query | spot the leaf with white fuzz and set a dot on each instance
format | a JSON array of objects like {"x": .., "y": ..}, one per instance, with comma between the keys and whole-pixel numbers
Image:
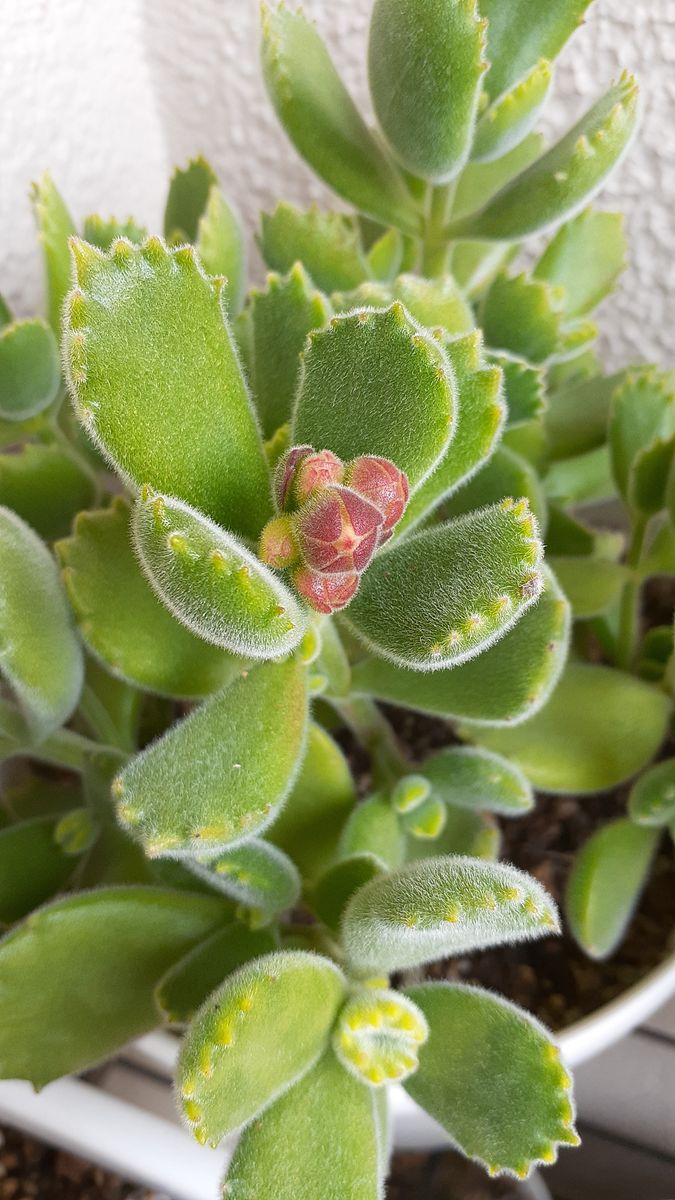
[
  {"x": 506, "y": 474},
  {"x": 441, "y": 596},
  {"x": 507, "y": 1099},
  {"x": 220, "y": 775},
  {"x": 211, "y": 583},
  {"x": 524, "y": 387},
  {"x": 221, "y": 248},
  {"x": 479, "y": 780},
  {"x": 466, "y": 831},
  {"x": 510, "y": 118},
  {"x": 46, "y": 485},
  {"x": 652, "y": 797},
  {"x": 605, "y": 884},
  {"x": 374, "y": 828},
  {"x": 585, "y": 257},
  {"x": 327, "y": 244},
  {"x": 189, "y": 982},
  {"x": 256, "y": 1036},
  {"x": 336, "y": 886},
  {"x": 54, "y": 226},
  {"x": 30, "y": 372},
  {"x": 378, "y": 1035},
  {"x": 255, "y": 874},
  {"x": 436, "y": 907}
]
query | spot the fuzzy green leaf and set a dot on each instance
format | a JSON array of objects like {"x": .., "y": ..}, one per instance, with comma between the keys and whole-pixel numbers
[
  {"x": 585, "y": 257},
  {"x": 592, "y": 585},
  {"x": 521, "y": 32},
  {"x": 425, "y": 66},
  {"x": 503, "y": 686},
  {"x": 652, "y": 797},
  {"x": 436, "y": 907},
  {"x": 506, "y": 1099},
  {"x": 338, "y": 1155},
  {"x": 565, "y": 177},
  {"x": 524, "y": 316},
  {"x": 513, "y": 114},
  {"x": 54, "y": 226},
  {"x": 94, "y": 959},
  {"x": 476, "y": 779},
  {"x": 40, "y": 656},
  {"x": 189, "y": 982},
  {"x": 188, "y": 195},
  {"x": 477, "y": 428},
  {"x": 375, "y": 383},
  {"x": 385, "y": 256},
  {"x": 33, "y": 866},
  {"x": 332, "y": 891},
  {"x": 211, "y": 583},
  {"x": 46, "y": 486},
  {"x": 577, "y": 415},
  {"x": 435, "y": 303},
  {"x": 221, "y": 248},
  {"x": 374, "y": 828},
  {"x": 599, "y": 728},
  {"x": 642, "y": 423},
  {"x": 258, "y": 876},
  {"x": 323, "y": 123},
  {"x": 156, "y": 381},
  {"x": 476, "y": 264},
  {"x": 309, "y": 825},
  {"x": 102, "y": 232},
  {"x": 506, "y": 474},
  {"x": 441, "y": 596},
  {"x": 121, "y": 620},
  {"x": 604, "y": 887},
  {"x": 5, "y": 313},
  {"x": 256, "y": 1036},
  {"x": 30, "y": 372},
  {"x": 465, "y": 832},
  {"x": 478, "y": 182},
  {"x": 281, "y": 318},
  {"x": 326, "y": 243},
  {"x": 524, "y": 387},
  {"x": 220, "y": 775}
]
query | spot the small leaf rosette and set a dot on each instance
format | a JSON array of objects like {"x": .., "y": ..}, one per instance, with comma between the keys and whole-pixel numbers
[{"x": 377, "y": 1036}]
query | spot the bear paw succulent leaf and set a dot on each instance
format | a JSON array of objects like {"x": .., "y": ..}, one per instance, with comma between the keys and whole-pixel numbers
[
  {"x": 30, "y": 372},
  {"x": 327, "y": 244},
  {"x": 190, "y": 981},
  {"x": 46, "y": 485},
  {"x": 440, "y": 906},
  {"x": 335, "y": 887},
  {"x": 33, "y": 866},
  {"x": 652, "y": 797},
  {"x": 256, "y": 1036},
  {"x": 511, "y": 117},
  {"x": 102, "y": 231},
  {"x": 374, "y": 827},
  {"x": 476, "y": 779},
  {"x": 258, "y": 876},
  {"x": 523, "y": 31},
  {"x": 465, "y": 831},
  {"x": 506, "y": 1099},
  {"x": 524, "y": 387},
  {"x": 506, "y": 474},
  {"x": 55, "y": 227},
  {"x": 441, "y": 596},
  {"x": 585, "y": 257},
  {"x": 156, "y": 381},
  {"x": 220, "y": 775},
  {"x": 211, "y": 583}
]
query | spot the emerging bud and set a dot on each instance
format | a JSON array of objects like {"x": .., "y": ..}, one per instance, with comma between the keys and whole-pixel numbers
[
  {"x": 315, "y": 472},
  {"x": 285, "y": 472},
  {"x": 381, "y": 482},
  {"x": 278, "y": 547},
  {"x": 338, "y": 530},
  {"x": 326, "y": 593}
]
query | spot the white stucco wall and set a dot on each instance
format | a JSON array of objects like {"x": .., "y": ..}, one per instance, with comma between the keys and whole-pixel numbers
[{"x": 110, "y": 93}]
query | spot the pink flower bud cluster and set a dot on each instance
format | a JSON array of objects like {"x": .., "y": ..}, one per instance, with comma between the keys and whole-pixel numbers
[{"x": 334, "y": 518}]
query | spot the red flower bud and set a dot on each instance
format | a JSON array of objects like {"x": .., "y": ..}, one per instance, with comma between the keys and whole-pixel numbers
[
  {"x": 325, "y": 593},
  {"x": 278, "y": 547},
  {"x": 302, "y": 471},
  {"x": 381, "y": 482},
  {"x": 338, "y": 530},
  {"x": 285, "y": 472}
]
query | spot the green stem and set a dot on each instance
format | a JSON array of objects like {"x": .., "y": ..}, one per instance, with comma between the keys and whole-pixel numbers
[
  {"x": 376, "y": 736},
  {"x": 64, "y": 748},
  {"x": 629, "y": 610},
  {"x": 435, "y": 245}
]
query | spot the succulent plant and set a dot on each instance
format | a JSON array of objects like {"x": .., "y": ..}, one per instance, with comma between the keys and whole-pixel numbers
[{"x": 271, "y": 511}]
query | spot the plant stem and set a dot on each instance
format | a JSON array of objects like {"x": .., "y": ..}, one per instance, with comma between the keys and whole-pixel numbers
[
  {"x": 63, "y": 748},
  {"x": 376, "y": 736},
  {"x": 435, "y": 247},
  {"x": 629, "y": 611}
]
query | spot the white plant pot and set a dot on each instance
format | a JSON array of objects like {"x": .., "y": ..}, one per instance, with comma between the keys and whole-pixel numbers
[{"x": 127, "y": 1122}]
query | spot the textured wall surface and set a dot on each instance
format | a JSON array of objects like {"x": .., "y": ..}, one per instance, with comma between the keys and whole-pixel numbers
[{"x": 109, "y": 93}]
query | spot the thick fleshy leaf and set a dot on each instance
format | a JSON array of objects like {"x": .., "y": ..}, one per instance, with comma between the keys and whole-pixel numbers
[
  {"x": 54, "y": 226},
  {"x": 425, "y": 66},
  {"x": 221, "y": 775},
  {"x": 102, "y": 231},
  {"x": 121, "y": 620},
  {"x": 94, "y": 959},
  {"x": 513, "y": 114},
  {"x": 524, "y": 387},
  {"x": 46, "y": 486},
  {"x": 30, "y": 372},
  {"x": 211, "y": 583},
  {"x": 323, "y": 123},
  {"x": 476, "y": 264},
  {"x": 40, "y": 656},
  {"x": 507, "y": 1099},
  {"x": 506, "y": 684},
  {"x": 577, "y": 415},
  {"x": 5, "y": 312},
  {"x": 524, "y": 316},
  {"x": 258, "y": 876},
  {"x": 523, "y": 31},
  {"x": 435, "y": 303},
  {"x": 156, "y": 381},
  {"x": 281, "y": 318},
  {"x": 599, "y": 728},
  {"x": 332, "y": 891},
  {"x": 479, "y": 780},
  {"x": 441, "y": 596},
  {"x": 385, "y": 256},
  {"x": 189, "y": 982},
  {"x": 374, "y": 828},
  {"x": 565, "y": 177},
  {"x": 642, "y": 421},
  {"x": 584, "y": 479},
  {"x": 478, "y": 182},
  {"x": 465, "y": 832},
  {"x": 592, "y": 585},
  {"x": 256, "y": 1036},
  {"x": 604, "y": 887},
  {"x": 338, "y": 1155},
  {"x": 309, "y": 825},
  {"x": 33, "y": 866},
  {"x": 506, "y": 474},
  {"x": 479, "y": 422},
  {"x": 436, "y": 907},
  {"x": 373, "y": 382},
  {"x": 586, "y": 257},
  {"x": 188, "y": 195},
  {"x": 221, "y": 248},
  {"x": 326, "y": 243},
  {"x": 652, "y": 797}
]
